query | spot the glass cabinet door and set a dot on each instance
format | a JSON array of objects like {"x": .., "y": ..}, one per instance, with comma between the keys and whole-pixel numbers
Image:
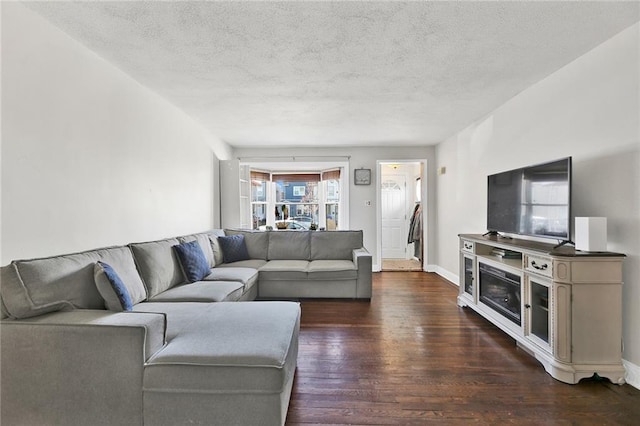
[
  {"x": 468, "y": 275},
  {"x": 538, "y": 306}
]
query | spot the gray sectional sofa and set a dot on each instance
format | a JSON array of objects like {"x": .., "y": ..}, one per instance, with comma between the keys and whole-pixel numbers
[{"x": 80, "y": 346}]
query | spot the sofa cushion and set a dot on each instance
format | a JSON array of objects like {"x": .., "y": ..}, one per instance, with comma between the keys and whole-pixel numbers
[
  {"x": 229, "y": 348},
  {"x": 17, "y": 302},
  {"x": 231, "y": 274},
  {"x": 257, "y": 242},
  {"x": 215, "y": 246},
  {"x": 158, "y": 265},
  {"x": 192, "y": 260},
  {"x": 247, "y": 276},
  {"x": 154, "y": 325},
  {"x": 202, "y": 291},
  {"x": 251, "y": 263},
  {"x": 178, "y": 315},
  {"x": 285, "y": 270},
  {"x": 233, "y": 248},
  {"x": 331, "y": 265},
  {"x": 284, "y": 245},
  {"x": 3, "y": 310},
  {"x": 218, "y": 258},
  {"x": 334, "y": 244},
  {"x": 110, "y": 286},
  {"x": 205, "y": 245},
  {"x": 332, "y": 270},
  {"x": 37, "y": 286}
]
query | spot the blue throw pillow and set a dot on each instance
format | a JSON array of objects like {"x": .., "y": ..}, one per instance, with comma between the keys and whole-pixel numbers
[
  {"x": 193, "y": 261},
  {"x": 112, "y": 289},
  {"x": 233, "y": 248}
]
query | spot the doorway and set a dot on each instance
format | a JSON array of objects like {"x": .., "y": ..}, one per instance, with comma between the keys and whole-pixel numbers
[{"x": 400, "y": 215}]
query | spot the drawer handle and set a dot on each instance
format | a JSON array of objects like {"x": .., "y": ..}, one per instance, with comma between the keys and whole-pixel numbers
[{"x": 539, "y": 267}]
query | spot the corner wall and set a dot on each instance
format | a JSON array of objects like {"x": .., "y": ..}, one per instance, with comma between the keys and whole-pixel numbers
[
  {"x": 90, "y": 157},
  {"x": 588, "y": 110}
]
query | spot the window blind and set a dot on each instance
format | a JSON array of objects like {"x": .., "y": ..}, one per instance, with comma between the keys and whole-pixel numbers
[
  {"x": 261, "y": 176},
  {"x": 331, "y": 175},
  {"x": 296, "y": 177}
]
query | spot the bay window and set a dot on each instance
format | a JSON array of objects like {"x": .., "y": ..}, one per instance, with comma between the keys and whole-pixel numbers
[{"x": 295, "y": 200}]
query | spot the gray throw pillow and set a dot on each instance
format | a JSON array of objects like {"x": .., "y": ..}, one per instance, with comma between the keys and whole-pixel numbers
[
  {"x": 192, "y": 260},
  {"x": 112, "y": 289},
  {"x": 234, "y": 249}
]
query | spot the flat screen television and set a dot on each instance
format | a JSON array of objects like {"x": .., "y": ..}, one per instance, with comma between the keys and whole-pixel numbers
[{"x": 534, "y": 201}]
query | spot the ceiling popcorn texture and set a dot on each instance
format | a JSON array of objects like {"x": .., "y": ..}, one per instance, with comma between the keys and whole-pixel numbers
[{"x": 338, "y": 73}]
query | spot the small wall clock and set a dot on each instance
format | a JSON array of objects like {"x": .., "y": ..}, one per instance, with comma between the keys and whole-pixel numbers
[{"x": 362, "y": 176}]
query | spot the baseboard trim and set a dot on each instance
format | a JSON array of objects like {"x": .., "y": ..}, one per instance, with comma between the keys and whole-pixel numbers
[
  {"x": 632, "y": 375},
  {"x": 446, "y": 274}
]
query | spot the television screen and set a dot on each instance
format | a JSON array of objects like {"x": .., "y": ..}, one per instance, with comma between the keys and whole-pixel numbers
[{"x": 533, "y": 200}]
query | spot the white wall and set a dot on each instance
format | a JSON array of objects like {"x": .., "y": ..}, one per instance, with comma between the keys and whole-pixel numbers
[
  {"x": 89, "y": 157},
  {"x": 360, "y": 216},
  {"x": 588, "y": 110}
]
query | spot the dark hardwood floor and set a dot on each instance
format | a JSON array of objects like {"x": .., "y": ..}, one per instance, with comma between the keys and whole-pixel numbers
[{"x": 412, "y": 356}]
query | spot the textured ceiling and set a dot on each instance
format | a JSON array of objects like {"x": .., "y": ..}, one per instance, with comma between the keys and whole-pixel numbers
[{"x": 338, "y": 73}]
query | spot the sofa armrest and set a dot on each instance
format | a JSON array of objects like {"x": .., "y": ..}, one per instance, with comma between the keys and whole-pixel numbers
[
  {"x": 77, "y": 367},
  {"x": 362, "y": 260}
]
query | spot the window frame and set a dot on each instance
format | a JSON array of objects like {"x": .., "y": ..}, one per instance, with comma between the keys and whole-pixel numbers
[{"x": 335, "y": 169}]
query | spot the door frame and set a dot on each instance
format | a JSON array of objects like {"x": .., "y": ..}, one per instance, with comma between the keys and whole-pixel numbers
[{"x": 423, "y": 198}]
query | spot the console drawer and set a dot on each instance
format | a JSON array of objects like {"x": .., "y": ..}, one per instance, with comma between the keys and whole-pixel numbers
[
  {"x": 467, "y": 246},
  {"x": 539, "y": 265}
]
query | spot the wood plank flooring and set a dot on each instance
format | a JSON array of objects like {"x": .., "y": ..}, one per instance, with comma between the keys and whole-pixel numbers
[{"x": 412, "y": 356}]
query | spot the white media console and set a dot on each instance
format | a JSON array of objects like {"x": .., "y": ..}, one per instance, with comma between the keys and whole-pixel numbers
[{"x": 562, "y": 306}]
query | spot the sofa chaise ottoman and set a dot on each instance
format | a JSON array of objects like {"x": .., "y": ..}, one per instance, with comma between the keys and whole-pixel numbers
[{"x": 238, "y": 374}]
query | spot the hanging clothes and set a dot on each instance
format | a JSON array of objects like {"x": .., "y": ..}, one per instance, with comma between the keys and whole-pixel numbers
[{"x": 415, "y": 226}]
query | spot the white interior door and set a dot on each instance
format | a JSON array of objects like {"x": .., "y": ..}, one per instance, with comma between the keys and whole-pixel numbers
[{"x": 394, "y": 216}]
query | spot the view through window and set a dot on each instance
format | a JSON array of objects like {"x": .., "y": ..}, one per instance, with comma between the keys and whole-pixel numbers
[{"x": 295, "y": 200}]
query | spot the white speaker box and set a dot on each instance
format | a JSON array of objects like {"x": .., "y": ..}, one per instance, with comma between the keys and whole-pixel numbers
[{"x": 591, "y": 233}]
